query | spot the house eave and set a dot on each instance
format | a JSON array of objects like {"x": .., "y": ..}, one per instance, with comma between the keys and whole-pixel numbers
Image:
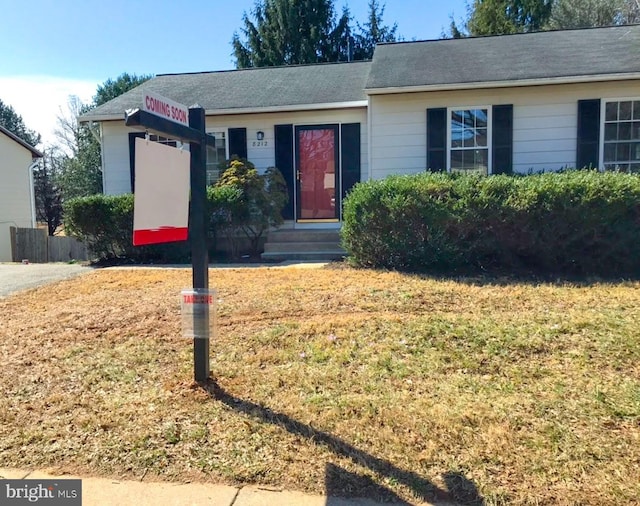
[
  {"x": 248, "y": 110},
  {"x": 289, "y": 108},
  {"x": 503, "y": 84}
]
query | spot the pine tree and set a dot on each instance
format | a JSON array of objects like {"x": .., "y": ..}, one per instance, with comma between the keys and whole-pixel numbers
[
  {"x": 373, "y": 32},
  {"x": 13, "y": 122},
  {"x": 567, "y": 14},
  {"x": 47, "y": 192},
  {"x": 289, "y": 32},
  {"x": 499, "y": 17}
]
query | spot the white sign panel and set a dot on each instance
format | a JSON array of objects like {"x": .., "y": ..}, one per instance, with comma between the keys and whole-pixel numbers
[
  {"x": 161, "y": 205},
  {"x": 198, "y": 307},
  {"x": 165, "y": 108}
]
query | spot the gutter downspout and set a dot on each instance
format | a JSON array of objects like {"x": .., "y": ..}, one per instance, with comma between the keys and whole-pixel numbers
[
  {"x": 97, "y": 135},
  {"x": 32, "y": 192},
  {"x": 91, "y": 125},
  {"x": 370, "y": 136}
]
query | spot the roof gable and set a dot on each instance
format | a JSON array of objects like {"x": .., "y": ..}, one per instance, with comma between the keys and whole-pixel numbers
[{"x": 522, "y": 57}]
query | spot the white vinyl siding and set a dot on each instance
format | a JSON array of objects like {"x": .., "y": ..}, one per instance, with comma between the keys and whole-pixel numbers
[
  {"x": 116, "y": 175},
  {"x": 544, "y": 123},
  {"x": 15, "y": 191}
]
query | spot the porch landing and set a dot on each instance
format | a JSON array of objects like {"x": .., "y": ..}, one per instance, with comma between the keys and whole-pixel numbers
[{"x": 309, "y": 244}]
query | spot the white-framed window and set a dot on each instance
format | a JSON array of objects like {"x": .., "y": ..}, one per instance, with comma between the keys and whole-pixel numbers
[
  {"x": 165, "y": 140},
  {"x": 469, "y": 139},
  {"x": 620, "y": 134},
  {"x": 216, "y": 155}
]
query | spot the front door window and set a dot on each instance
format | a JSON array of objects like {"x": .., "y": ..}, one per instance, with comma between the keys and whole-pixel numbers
[{"x": 317, "y": 150}]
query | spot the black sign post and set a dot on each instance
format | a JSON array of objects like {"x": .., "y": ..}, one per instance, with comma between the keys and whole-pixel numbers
[{"x": 198, "y": 218}]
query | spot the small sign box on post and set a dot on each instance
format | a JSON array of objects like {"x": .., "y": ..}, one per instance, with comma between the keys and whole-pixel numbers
[{"x": 198, "y": 313}]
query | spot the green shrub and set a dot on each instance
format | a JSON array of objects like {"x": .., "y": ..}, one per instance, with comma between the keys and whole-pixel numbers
[
  {"x": 226, "y": 205},
  {"x": 253, "y": 203},
  {"x": 103, "y": 223},
  {"x": 579, "y": 222}
]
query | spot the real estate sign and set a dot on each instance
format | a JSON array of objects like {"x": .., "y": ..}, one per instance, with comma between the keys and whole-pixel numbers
[
  {"x": 164, "y": 178},
  {"x": 161, "y": 205}
]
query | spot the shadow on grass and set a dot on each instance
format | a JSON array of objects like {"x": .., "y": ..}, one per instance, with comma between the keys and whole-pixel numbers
[{"x": 340, "y": 482}]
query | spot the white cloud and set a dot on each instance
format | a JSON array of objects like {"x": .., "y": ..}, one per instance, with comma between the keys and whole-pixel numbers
[{"x": 39, "y": 99}]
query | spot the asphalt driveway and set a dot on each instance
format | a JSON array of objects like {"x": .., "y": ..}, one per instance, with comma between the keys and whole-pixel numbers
[{"x": 17, "y": 277}]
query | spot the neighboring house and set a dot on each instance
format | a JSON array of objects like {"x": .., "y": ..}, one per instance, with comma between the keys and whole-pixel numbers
[
  {"x": 17, "y": 202},
  {"x": 515, "y": 103}
]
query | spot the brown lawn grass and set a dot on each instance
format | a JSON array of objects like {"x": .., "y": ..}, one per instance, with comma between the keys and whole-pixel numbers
[{"x": 344, "y": 381}]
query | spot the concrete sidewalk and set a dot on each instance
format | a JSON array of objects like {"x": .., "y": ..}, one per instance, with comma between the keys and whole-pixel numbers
[{"x": 110, "y": 492}]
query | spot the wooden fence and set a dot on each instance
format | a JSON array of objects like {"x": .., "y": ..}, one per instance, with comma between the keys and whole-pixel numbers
[{"x": 34, "y": 245}]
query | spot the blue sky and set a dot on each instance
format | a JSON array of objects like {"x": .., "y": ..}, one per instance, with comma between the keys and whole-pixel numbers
[{"x": 55, "y": 48}]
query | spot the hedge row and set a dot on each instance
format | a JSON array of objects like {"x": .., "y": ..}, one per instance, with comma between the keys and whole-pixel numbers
[{"x": 575, "y": 222}]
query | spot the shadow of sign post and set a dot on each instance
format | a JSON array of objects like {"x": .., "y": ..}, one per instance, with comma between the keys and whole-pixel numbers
[{"x": 460, "y": 489}]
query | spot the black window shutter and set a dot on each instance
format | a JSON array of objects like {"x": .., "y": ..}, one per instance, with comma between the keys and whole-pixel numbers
[
  {"x": 588, "y": 154},
  {"x": 350, "y": 134},
  {"x": 132, "y": 157},
  {"x": 502, "y": 144},
  {"x": 284, "y": 163},
  {"x": 238, "y": 142},
  {"x": 437, "y": 139}
]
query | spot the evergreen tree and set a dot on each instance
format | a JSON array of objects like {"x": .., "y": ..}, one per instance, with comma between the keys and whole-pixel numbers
[
  {"x": 111, "y": 89},
  {"x": 289, "y": 32},
  {"x": 567, "y": 14},
  {"x": 13, "y": 122},
  {"x": 48, "y": 196},
  {"x": 373, "y": 32},
  {"x": 498, "y": 17}
]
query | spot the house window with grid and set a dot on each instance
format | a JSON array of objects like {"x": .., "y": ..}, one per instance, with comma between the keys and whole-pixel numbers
[
  {"x": 622, "y": 136},
  {"x": 469, "y": 140},
  {"x": 215, "y": 156}
]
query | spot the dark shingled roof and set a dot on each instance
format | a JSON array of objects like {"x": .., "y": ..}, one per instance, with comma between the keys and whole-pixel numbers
[
  {"x": 251, "y": 89},
  {"x": 541, "y": 55},
  {"x": 569, "y": 54}
]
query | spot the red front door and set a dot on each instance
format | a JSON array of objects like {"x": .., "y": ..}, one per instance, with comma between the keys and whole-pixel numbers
[{"x": 317, "y": 172}]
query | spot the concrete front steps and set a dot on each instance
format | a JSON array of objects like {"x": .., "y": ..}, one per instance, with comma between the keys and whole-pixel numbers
[{"x": 308, "y": 244}]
